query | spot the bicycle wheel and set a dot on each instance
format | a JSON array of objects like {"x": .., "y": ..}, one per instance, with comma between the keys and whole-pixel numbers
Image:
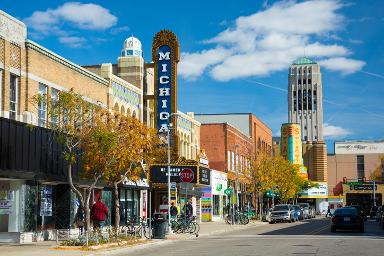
[
  {"x": 228, "y": 219},
  {"x": 244, "y": 219},
  {"x": 192, "y": 227},
  {"x": 197, "y": 228}
]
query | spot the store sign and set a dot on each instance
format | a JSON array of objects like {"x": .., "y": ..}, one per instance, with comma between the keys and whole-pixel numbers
[
  {"x": 142, "y": 182},
  {"x": 204, "y": 161},
  {"x": 159, "y": 174},
  {"x": 46, "y": 201},
  {"x": 219, "y": 182},
  {"x": 322, "y": 190},
  {"x": 359, "y": 148},
  {"x": 362, "y": 187},
  {"x": 204, "y": 176}
]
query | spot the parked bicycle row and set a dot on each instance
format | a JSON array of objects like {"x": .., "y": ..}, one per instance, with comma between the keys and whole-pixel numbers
[{"x": 237, "y": 218}]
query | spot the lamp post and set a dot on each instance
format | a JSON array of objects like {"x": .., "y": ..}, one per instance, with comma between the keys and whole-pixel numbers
[
  {"x": 169, "y": 126},
  {"x": 237, "y": 177}
]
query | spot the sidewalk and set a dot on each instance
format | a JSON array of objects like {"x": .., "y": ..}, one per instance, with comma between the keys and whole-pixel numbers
[{"x": 48, "y": 247}]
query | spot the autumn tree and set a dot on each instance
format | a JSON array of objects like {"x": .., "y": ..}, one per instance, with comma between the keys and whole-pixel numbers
[
  {"x": 71, "y": 120},
  {"x": 124, "y": 145}
]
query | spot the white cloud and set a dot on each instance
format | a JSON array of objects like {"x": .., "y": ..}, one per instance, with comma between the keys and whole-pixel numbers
[
  {"x": 194, "y": 64},
  {"x": 344, "y": 65},
  {"x": 269, "y": 40},
  {"x": 73, "y": 41},
  {"x": 332, "y": 131},
  {"x": 78, "y": 15}
]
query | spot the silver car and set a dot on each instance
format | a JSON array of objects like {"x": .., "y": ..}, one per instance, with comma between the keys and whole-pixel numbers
[{"x": 282, "y": 213}]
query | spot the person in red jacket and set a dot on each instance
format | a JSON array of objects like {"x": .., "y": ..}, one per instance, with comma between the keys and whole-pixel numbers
[{"x": 99, "y": 213}]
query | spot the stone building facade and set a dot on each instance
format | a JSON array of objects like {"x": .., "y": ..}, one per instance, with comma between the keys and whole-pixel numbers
[{"x": 305, "y": 100}]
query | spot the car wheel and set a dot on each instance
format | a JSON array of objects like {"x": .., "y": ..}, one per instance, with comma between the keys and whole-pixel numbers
[
  {"x": 271, "y": 222},
  {"x": 333, "y": 229}
]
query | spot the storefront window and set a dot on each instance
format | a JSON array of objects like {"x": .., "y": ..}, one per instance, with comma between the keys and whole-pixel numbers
[
  {"x": 216, "y": 205},
  {"x": 129, "y": 203},
  {"x": 123, "y": 216}
]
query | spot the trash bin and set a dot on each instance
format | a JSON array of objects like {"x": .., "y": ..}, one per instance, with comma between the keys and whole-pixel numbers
[{"x": 159, "y": 225}]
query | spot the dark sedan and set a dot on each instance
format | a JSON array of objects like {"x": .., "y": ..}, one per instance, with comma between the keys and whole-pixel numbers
[{"x": 347, "y": 218}]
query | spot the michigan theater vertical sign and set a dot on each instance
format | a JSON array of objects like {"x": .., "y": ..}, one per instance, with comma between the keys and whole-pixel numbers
[{"x": 165, "y": 55}]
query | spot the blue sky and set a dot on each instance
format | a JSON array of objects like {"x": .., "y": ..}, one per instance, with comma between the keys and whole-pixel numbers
[{"x": 235, "y": 55}]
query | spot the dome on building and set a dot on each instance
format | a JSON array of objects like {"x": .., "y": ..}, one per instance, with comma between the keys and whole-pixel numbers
[
  {"x": 132, "y": 47},
  {"x": 303, "y": 61}
]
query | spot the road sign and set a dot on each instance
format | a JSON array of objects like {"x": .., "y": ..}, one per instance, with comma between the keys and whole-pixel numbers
[
  {"x": 186, "y": 175},
  {"x": 228, "y": 191},
  {"x": 186, "y": 185}
]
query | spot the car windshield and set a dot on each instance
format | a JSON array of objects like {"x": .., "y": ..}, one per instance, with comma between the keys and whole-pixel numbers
[
  {"x": 281, "y": 208},
  {"x": 345, "y": 211},
  {"x": 296, "y": 207}
]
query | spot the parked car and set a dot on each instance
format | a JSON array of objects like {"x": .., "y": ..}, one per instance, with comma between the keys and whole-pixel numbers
[
  {"x": 306, "y": 210},
  {"x": 361, "y": 211},
  {"x": 373, "y": 211},
  {"x": 282, "y": 213},
  {"x": 297, "y": 212},
  {"x": 347, "y": 218}
]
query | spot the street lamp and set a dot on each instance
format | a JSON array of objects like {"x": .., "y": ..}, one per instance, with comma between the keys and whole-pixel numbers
[
  {"x": 169, "y": 125},
  {"x": 237, "y": 177}
]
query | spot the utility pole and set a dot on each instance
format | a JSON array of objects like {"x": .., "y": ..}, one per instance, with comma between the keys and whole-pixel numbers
[{"x": 237, "y": 177}]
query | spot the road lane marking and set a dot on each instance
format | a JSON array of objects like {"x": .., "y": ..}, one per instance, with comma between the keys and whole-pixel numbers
[{"x": 318, "y": 230}]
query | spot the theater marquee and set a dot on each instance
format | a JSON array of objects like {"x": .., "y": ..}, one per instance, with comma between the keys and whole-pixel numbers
[{"x": 165, "y": 55}]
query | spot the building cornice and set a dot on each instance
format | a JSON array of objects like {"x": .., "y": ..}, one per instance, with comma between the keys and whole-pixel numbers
[{"x": 36, "y": 47}]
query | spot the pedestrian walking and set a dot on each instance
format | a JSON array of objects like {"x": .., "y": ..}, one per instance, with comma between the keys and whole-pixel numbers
[
  {"x": 188, "y": 210},
  {"x": 328, "y": 211},
  {"x": 79, "y": 219},
  {"x": 173, "y": 211},
  {"x": 99, "y": 214}
]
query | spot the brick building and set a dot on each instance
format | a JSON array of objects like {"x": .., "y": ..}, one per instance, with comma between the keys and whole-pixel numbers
[
  {"x": 248, "y": 124},
  {"x": 234, "y": 138},
  {"x": 228, "y": 150}
]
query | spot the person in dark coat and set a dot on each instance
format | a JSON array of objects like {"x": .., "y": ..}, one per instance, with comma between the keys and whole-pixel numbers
[{"x": 79, "y": 219}]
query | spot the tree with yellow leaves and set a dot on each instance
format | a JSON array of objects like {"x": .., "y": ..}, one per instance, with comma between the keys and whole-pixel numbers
[
  {"x": 121, "y": 146},
  {"x": 71, "y": 119}
]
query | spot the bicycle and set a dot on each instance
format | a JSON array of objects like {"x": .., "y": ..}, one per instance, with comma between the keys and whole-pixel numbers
[
  {"x": 239, "y": 218},
  {"x": 185, "y": 225}
]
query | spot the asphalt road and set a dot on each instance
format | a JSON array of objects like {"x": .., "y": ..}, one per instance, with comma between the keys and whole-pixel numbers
[{"x": 309, "y": 237}]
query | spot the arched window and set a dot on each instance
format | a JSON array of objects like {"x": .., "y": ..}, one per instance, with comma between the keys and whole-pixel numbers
[{"x": 116, "y": 107}]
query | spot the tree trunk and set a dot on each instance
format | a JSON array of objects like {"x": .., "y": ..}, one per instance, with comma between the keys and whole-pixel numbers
[
  {"x": 87, "y": 215},
  {"x": 84, "y": 205},
  {"x": 254, "y": 197},
  {"x": 117, "y": 206}
]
